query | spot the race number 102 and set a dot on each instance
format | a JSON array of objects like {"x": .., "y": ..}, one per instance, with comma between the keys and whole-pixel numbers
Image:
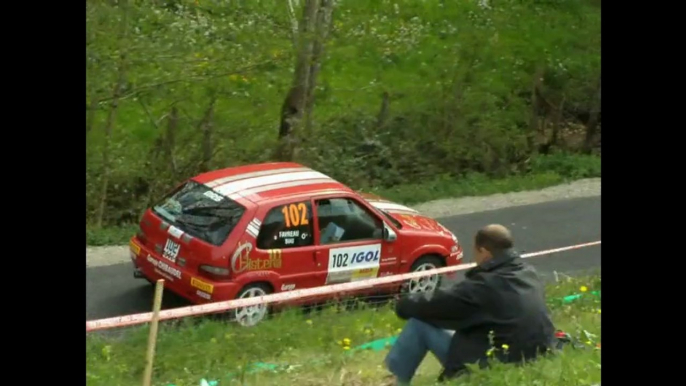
[{"x": 295, "y": 215}]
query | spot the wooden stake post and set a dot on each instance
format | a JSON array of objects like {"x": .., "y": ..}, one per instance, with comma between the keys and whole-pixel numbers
[{"x": 152, "y": 338}]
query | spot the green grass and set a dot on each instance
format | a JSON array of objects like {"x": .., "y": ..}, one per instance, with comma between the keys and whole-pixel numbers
[
  {"x": 314, "y": 347},
  {"x": 544, "y": 172}
]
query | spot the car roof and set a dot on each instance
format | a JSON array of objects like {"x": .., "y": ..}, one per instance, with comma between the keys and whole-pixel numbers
[{"x": 258, "y": 183}]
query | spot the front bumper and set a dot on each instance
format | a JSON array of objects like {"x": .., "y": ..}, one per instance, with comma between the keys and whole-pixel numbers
[{"x": 179, "y": 280}]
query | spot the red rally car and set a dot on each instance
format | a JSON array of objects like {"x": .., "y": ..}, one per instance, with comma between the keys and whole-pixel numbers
[{"x": 257, "y": 229}]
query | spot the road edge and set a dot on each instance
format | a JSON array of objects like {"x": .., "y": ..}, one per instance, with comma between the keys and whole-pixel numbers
[{"x": 446, "y": 207}]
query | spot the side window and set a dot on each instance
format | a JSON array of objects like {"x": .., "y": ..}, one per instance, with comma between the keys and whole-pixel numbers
[
  {"x": 287, "y": 226},
  {"x": 344, "y": 220}
]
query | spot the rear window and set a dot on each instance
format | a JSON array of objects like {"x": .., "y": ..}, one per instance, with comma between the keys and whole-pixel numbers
[{"x": 200, "y": 212}]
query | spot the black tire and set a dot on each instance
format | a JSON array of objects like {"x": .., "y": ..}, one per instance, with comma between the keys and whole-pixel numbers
[
  {"x": 420, "y": 264},
  {"x": 243, "y": 315}
]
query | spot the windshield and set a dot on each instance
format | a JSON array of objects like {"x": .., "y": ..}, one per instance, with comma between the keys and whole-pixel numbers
[{"x": 200, "y": 212}]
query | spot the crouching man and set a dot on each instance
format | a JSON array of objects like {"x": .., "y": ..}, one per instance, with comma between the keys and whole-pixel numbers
[{"x": 499, "y": 308}]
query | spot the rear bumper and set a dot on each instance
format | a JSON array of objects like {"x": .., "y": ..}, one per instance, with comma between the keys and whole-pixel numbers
[{"x": 178, "y": 279}]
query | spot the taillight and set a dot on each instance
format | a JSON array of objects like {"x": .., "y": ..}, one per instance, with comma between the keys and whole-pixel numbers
[{"x": 215, "y": 271}]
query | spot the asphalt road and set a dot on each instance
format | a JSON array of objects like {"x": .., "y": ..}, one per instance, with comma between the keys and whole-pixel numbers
[{"x": 112, "y": 290}]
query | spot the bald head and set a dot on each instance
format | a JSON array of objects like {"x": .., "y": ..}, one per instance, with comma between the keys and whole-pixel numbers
[{"x": 494, "y": 238}]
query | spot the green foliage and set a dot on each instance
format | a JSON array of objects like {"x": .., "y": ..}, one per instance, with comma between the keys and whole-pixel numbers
[
  {"x": 213, "y": 349},
  {"x": 572, "y": 166},
  {"x": 459, "y": 78}
]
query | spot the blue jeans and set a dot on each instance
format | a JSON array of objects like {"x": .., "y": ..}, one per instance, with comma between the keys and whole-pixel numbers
[{"x": 415, "y": 340}]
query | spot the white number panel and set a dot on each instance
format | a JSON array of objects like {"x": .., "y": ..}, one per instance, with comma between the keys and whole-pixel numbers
[
  {"x": 353, "y": 263},
  {"x": 171, "y": 250}
]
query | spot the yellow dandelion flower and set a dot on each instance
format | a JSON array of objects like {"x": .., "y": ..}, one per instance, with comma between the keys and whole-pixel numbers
[
  {"x": 598, "y": 310},
  {"x": 588, "y": 342},
  {"x": 346, "y": 348},
  {"x": 489, "y": 352},
  {"x": 583, "y": 288},
  {"x": 505, "y": 347},
  {"x": 346, "y": 342},
  {"x": 398, "y": 331},
  {"x": 308, "y": 321}
]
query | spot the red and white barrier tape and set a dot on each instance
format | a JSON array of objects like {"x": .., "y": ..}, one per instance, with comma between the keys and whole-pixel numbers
[{"x": 175, "y": 313}]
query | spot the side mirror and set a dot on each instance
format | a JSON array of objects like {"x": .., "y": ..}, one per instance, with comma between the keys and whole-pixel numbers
[{"x": 389, "y": 234}]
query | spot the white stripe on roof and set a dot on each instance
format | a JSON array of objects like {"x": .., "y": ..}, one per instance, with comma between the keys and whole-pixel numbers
[
  {"x": 224, "y": 180},
  {"x": 256, "y": 182},
  {"x": 391, "y": 206},
  {"x": 289, "y": 184}
]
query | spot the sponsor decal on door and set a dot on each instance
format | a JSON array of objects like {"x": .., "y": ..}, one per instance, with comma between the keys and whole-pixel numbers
[{"x": 353, "y": 263}]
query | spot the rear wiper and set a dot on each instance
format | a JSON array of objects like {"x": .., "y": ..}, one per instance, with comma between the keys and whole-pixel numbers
[
  {"x": 206, "y": 208},
  {"x": 192, "y": 224}
]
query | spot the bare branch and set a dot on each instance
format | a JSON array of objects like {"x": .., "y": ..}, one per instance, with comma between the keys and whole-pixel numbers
[{"x": 140, "y": 89}]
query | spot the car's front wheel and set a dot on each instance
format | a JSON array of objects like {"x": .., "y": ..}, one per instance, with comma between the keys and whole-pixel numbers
[
  {"x": 426, "y": 283},
  {"x": 251, "y": 315}
]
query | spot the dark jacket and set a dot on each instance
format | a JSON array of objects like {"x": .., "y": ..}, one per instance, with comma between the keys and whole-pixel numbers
[{"x": 504, "y": 296}]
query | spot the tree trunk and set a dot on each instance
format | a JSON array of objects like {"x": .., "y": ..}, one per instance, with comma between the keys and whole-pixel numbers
[
  {"x": 557, "y": 122},
  {"x": 170, "y": 138},
  {"x": 111, "y": 116},
  {"x": 90, "y": 113},
  {"x": 292, "y": 5},
  {"x": 594, "y": 119},
  {"x": 109, "y": 125},
  {"x": 323, "y": 27},
  {"x": 382, "y": 118},
  {"x": 293, "y": 106},
  {"x": 207, "y": 128},
  {"x": 534, "y": 119}
]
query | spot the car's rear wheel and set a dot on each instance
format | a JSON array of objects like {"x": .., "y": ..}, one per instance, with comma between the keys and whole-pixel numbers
[
  {"x": 250, "y": 316},
  {"x": 426, "y": 283}
]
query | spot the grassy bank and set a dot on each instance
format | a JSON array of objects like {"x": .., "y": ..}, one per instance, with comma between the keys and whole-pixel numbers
[
  {"x": 315, "y": 349},
  {"x": 544, "y": 171}
]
